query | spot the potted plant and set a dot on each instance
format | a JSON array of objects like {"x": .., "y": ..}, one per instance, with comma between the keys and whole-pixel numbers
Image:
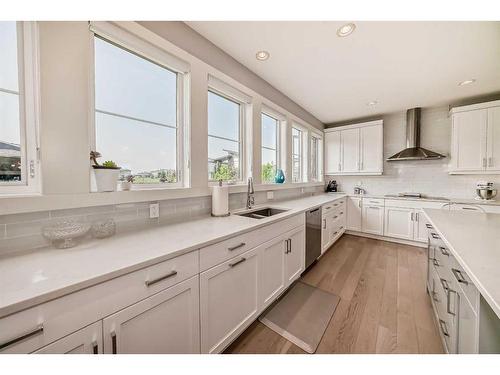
[
  {"x": 106, "y": 174},
  {"x": 127, "y": 182}
]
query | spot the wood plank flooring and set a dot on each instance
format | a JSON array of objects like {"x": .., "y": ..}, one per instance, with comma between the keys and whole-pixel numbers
[{"x": 384, "y": 307}]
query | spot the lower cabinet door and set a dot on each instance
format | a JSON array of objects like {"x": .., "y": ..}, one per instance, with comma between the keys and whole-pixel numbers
[
  {"x": 468, "y": 340},
  {"x": 325, "y": 233},
  {"x": 166, "y": 322},
  {"x": 373, "y": 219},
  {"x": 272, "y": 270},
  {"x": 399, "y": 223},
  {"x": 420, "y": 230},
  {"x": 228, "y": 300},
  {"x": 295, "y": 257},
  {"x": 88, "y": 340}
]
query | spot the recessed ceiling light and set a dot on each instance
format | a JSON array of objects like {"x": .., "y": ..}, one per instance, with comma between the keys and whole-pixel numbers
[
  {"x": 346, "y": 29},
  {"x": 467, "y": 82},
  {"x": 372, "y": 103},
  {"x": 262, "y": 55}
]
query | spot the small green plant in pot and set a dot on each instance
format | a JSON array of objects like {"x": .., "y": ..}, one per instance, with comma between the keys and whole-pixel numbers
[{"x": 106, "y": 174}]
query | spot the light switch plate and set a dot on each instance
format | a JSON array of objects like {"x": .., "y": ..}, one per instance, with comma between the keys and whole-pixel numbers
[
  {"x": 270, "y": 195},
  {"x": 154, "y": 210}
]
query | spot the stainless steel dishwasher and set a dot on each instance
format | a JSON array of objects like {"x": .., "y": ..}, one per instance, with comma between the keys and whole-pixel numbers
[{"x": 313, "y": 235}]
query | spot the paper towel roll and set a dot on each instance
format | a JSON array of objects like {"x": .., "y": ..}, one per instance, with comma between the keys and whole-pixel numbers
[{"x": 220, "y": 201}]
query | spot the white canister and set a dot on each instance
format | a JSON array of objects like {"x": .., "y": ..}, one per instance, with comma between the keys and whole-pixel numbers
[{"x": 220, "y": 200}]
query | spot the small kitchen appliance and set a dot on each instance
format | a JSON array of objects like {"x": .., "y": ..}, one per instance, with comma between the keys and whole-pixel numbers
[
  {"x": 332, "y": 187},
  {"x": 485, "y": 191}
]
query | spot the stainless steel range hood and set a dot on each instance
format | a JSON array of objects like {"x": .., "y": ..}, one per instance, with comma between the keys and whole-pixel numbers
[{"x": 413, "y": 151}]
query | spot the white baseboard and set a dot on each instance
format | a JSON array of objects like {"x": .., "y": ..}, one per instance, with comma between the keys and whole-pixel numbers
[{"x": 384, "y": 238}]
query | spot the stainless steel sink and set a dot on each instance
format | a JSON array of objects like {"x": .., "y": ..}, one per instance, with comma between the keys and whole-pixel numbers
[{"x": 262, "y": 213}]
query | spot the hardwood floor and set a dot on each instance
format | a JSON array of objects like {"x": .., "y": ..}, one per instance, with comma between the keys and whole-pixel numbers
[{"x": 384, "y": 307}]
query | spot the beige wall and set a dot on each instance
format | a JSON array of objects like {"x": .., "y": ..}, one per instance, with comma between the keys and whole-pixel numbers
[{"x": 65, "y": 70}]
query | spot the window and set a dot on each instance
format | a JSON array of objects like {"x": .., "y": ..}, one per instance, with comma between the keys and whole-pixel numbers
[
  {"x": 224, "y": 138},
  {"x": 18, "y": 108},
  {"x": 316, "y": 159},
  {"x": 270, "y": 148},
  {"x": 139, "y": 108},
  {"x": 296, "y": 155}
]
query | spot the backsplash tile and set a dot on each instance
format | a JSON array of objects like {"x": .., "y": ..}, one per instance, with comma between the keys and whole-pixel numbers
[{"x": 21, "y": 232}]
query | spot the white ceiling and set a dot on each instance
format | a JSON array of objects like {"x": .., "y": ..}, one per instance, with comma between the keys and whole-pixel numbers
[{"x": 398, "y": 64}]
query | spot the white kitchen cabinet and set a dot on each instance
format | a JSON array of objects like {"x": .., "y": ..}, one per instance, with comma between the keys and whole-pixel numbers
[
  {"x": 468, "y": 339},
  {"x": 88, "y": 340},
  {"x": 228, "y": 300},
  {"x": 332, "y": 152},
  {"x": 165, "y": 323},
  {"x": 372, "y": 219},
  {"x": 399, "y": 222},
  {"x": 272, "y": 269},
  {"x": 295, "y": 256},
  {"x": 493, "y": 140},
  {"x": 354, "y": 149},
  {"x": 476, "y": 138},
  {"x": 350, "y": 150},
  {"x": 371, "y": 150},
  {"x": 353, "y": 220},
  {"x": 420, "y": 229}
]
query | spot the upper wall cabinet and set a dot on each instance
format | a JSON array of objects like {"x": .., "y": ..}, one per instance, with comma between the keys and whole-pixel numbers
[
  {"x": 475, "y": 140},
  {"x": 355, "y": 149}
]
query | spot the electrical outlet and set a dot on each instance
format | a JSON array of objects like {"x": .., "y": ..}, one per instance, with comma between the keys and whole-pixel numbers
[
  {"x": 154, "y": 210},
  {"x": 270, "y": 195}
]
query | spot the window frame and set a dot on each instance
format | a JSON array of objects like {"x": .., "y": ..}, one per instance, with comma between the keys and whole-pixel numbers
[
  {"x": 226, "y": 91},
  {"x": 128, "y": 41},
  {"x": 29, "y": 112},
  {"x": 304, "y": 156},
  {"x": 280, "y": 121},
  {"x": 319, "y": 162}
]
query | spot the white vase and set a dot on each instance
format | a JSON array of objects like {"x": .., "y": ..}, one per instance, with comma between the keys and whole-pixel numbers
[{"x": 106, "y": 179}]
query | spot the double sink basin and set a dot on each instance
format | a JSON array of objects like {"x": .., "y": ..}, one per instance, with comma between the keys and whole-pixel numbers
[{"x": 261, "y": 213}]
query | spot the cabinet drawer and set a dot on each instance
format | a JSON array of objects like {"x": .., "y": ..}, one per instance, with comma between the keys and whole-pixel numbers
[
  {"x": 465, "y": 284},
  {"x": 217, "y": 253},
  {"x": 373, "y": 201},
  {"x": 47, "y": 322}
]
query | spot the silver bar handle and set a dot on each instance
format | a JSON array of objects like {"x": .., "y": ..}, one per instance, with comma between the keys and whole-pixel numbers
[
  {"x": 416, "y": 216},
  {"x": 444, "y": 328},
  {"x": 95, "y": 347},
  {"x": 435, "y": 236},
  {"x": 444, "y": 251},
  {"x": 411, "y": 218},
  {"x": 26, "y": 335},
  {"x": 236, "y": 246},
  {"x": 335, "y": 217},
  {"x": 429, "y": 226},
  {"x": 161, "y": 278},
  {"x": 237, "y": 262},
  {"x": 459, "y": 276},
  {"x": 113, "y": 342},
  {"x": 324, "y": 223},
  {"x": 448, "y": 302},
  {"x": 433, "y": 292},
  {"x": 290, "y": 245}
]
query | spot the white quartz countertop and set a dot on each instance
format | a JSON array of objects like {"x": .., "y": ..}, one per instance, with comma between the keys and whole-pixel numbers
[
  {"x": 36, "y": 277},
  {"x": 474, "y": 239},
  {"x": 472, "y": 201}
]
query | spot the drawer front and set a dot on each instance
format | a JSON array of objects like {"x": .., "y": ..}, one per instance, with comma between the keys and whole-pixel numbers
[
  {"x": 465, "y": 284},
  {"x": 406, "y": 203},
  {"x": 47, "y": 322},
  {"x": 373, "y": 201},
  {"x": 335, "y": 206},
  {"x": 217, "y": 253}
]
